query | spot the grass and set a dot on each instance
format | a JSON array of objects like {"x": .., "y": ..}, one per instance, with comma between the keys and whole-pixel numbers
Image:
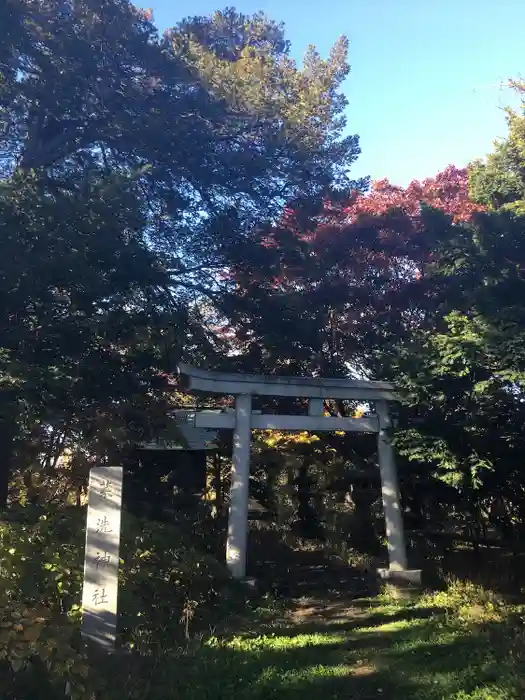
[
  {"x": 381, "y": 648},
  {"x": 460, "y": 644}
]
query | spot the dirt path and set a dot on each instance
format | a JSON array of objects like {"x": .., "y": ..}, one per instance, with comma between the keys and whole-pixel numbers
[
  {"x": 336, "y": 639},
  {"x": 317, "y": 589}
]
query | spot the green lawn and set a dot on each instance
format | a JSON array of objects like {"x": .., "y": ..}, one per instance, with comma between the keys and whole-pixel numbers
[{"x": 378, "y": 649}]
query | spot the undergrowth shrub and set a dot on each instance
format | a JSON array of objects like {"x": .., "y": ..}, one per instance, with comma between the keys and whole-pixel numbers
[
  {"x": 41, "y": 655},
  {"x": 496, "y": 623},
  {"x": 170, "y": 587},
  {"x": 464, "y": 601}
]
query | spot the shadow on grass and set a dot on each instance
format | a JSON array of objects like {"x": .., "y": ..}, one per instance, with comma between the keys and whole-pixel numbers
[
  {"x": 409, "y": 658},
  {"x": 351, "y": 622},
  {"x": 292, "y": 573}
]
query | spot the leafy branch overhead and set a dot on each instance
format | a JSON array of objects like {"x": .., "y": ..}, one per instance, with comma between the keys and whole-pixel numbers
[{"x": 132, "y": 164}]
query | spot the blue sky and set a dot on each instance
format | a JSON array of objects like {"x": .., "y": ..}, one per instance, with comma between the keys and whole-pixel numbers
[{"x": 424, "y": 90}]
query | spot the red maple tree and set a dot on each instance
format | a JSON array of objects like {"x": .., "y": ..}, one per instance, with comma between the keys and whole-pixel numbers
[
  {"x": 362, "y": 259},
  {"x": 447, "y": 191},
  {"x": 392, "y": 212}
]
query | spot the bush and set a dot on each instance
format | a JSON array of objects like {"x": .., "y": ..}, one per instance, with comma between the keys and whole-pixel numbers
[
  {"x": 467, "y": 602},
  {"x": 170, "y": 586},
  {"x": 40, "y": 655}
]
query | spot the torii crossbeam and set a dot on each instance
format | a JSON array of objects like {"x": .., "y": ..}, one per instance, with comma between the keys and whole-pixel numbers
[{"x": 316, "y": 390}]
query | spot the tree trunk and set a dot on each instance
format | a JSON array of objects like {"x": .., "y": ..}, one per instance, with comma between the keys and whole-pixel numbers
[
  {"x": 364, "y": 536},
  {"x": 217, "y": 484},
  {"x": 272, "y": 484},
  {"x": 8, "y": 411},
  {"x": 308, "y": 521}
]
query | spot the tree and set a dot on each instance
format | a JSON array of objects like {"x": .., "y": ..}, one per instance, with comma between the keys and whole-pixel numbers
[
  {"x": 462, "y": 378},
  {"x": 337, "y": 284},
  {"x": 293, "y": 116},
  {"x": 498, "y": 181},
  {"x": 84, "y": 329},
  {"x": 131, "y": 165},
  {"x": 96, "y": 88},
  {"x": 379, "y": 284}
]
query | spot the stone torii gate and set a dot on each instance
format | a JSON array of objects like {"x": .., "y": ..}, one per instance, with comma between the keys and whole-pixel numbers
[{"x": 316, "y": 390}]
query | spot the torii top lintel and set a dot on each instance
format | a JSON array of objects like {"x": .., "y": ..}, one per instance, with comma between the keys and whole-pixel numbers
[{"x": 302, "y": 387}]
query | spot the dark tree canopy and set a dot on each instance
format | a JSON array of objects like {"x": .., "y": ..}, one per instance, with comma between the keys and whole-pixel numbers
[{"x": 132, "y": 166}]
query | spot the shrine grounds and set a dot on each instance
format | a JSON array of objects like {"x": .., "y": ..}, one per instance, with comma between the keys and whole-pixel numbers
[
  {"x": 452, "y": 646},
  {"x": 313, "y": 625}
]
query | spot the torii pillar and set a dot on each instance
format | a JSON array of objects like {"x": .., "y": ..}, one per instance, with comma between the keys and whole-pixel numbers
[
  {"x": 237, "y": 539},
  {"x": 316, "y": 390}
]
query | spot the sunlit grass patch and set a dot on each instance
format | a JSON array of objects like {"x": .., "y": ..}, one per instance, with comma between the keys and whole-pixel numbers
[
  {"x": 416, "y": 650},
  {"x": 276, "y": 642}
]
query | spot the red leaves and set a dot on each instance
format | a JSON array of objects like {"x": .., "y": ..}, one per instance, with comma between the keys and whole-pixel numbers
[
  {"x": 269, "y": 242},
  {"x": 447, "y": 191},
  {"x": 373, "y": 241},
  {"x": 357, "y": 270},
  {"x": 380, "y": 226}
]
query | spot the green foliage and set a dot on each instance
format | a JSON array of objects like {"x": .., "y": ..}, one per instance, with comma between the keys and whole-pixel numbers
[
  {"x": 126, "y": 185},
  {"x": 40, "y": 655},
  {"x": 170, "y": 585},
  {"x": 495, "y": 183},
  {"x": 170, "y": 582},
  {"x": 498, "y": 181},
  {"x": 83, "y": 339},
  {"x": 168, "y": 104},
  {"x": 463, "y": 600},
  {"x": 42, "y": 558},
  {"x": 245, "y": 61},
  {"x": 380, "y": 647},
  {"x": 461, "y": 378}
]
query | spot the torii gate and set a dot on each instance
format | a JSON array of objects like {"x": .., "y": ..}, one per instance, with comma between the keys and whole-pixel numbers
[{"x": 316, "y": 390}]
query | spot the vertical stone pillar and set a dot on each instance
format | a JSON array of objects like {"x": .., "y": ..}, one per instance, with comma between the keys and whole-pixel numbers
[
  {"x": 236, "y": 545},
  {"x": 390, "y": 492},
  {"x": 101, "y": 563}
]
